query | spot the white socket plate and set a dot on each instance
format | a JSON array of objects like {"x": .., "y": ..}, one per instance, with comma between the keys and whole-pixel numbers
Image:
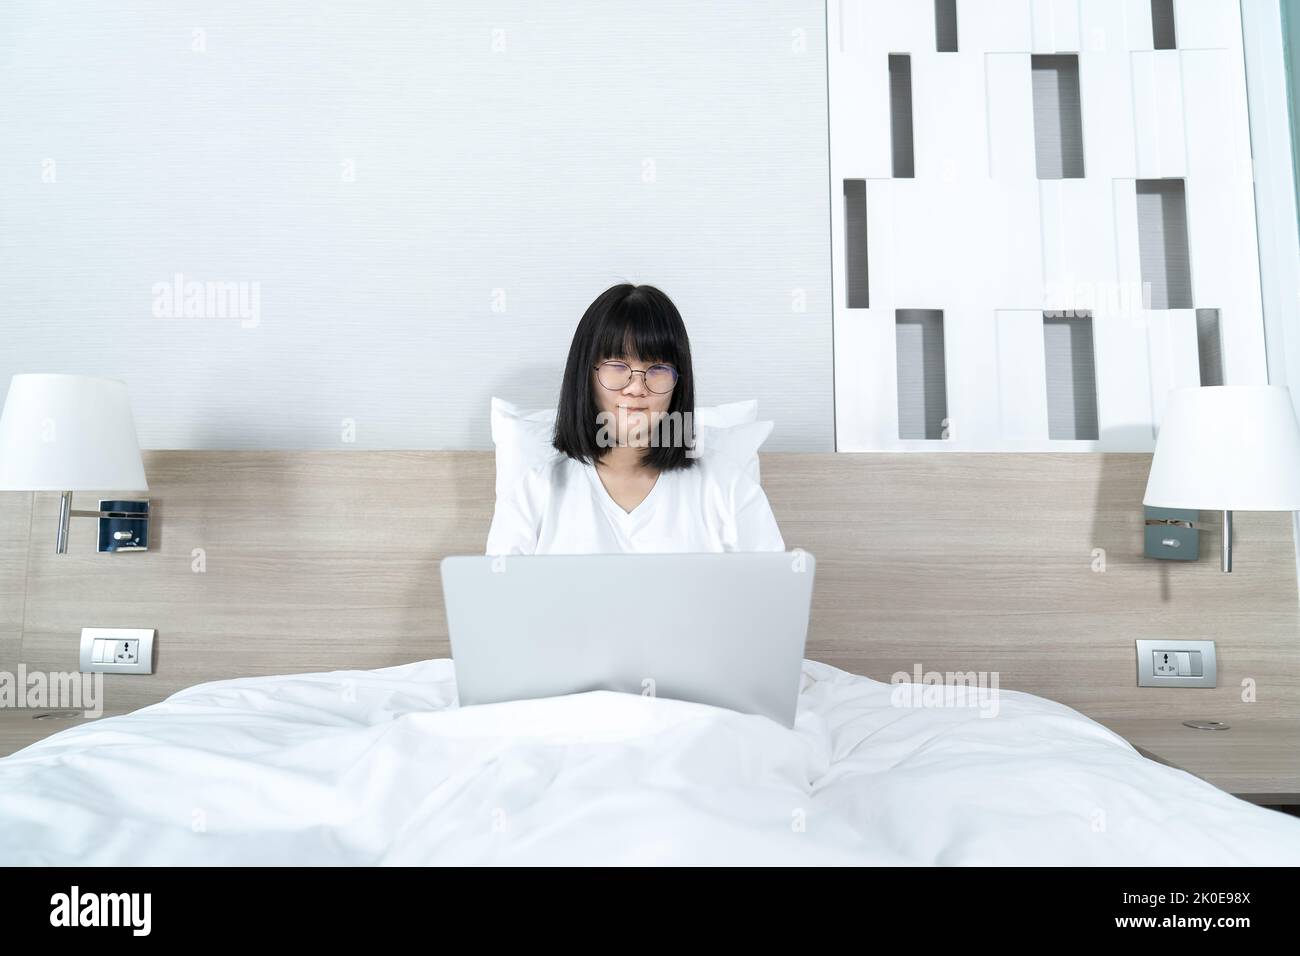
[
  {"x": 111, "y": 635},
  {"x": 1147, "y": 676}
]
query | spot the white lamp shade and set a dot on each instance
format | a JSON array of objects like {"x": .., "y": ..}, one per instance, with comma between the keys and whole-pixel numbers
[
  {"x": 68, "y": 433},
  {"x": 1227, "y": 448}
]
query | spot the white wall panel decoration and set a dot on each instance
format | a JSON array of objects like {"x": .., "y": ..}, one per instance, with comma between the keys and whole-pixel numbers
[
  {"x": 988, "y": 26},
  {"x": 1054, "y": 25},
  {"x": 1222, "y": 235},
  {"x": 1069, "y": 177},
  {"x": 1058, "y": 124},
  {"x": 1077, "y": 235},
  {"x": 1070, "y": 361},
  {"x": 1021, "y": 375},
  {"x": 922, "y": 387},
  {"x": 1208, "y": 24},
  {"x": 947, "y": 33},
  {"x": 1009, "y": 101},
  {"x": 1109, "y": 130},
  {"x": 1209, "y": 347},
  {"x": 1114, "y": 26},
  {"x": 902, "y": 152},
  {"x": 857, "y": 266},
  {"x": 1158, "y": 111},
  {"x": 1164, "y": 32},
  {"x": 1175, "y": 340},
  {"x": 952, "y": 86},
  {"x": 1162, "y": 239},
  {"x": 1122, "y": 357}
]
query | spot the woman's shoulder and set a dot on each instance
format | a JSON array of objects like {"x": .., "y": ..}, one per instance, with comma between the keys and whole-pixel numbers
[
  {"x": 555, "y": 471},
  {"x": 721, "y": 470}
]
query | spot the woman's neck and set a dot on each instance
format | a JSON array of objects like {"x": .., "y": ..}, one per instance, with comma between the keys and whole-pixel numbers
[{"x": 623, "y": 459}]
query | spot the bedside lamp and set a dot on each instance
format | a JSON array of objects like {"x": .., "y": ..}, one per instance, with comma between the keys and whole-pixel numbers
[
  {"x": 1226, "y": 448},
  {"x": 69, "y": 433}
]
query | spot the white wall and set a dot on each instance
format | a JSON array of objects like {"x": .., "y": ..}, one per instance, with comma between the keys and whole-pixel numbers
[
  {"x": 1271, "y": 139},
  {"x": 1272, "y": 136},
  {"x": 425, "y": 198}
]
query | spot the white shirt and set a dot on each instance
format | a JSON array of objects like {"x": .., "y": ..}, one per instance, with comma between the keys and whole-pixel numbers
[{"x": 562, "y": 507}]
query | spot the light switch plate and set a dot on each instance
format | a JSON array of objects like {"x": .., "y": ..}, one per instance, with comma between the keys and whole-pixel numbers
[
  {"x": 107, "y": 650},
  {"x": 1172, "y": 542},
  {"x": 1148, "y": 669},
  {"x": 124, "y": 534}
]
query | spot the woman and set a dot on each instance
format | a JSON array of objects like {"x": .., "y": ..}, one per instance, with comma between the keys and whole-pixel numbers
[{"x": 629, "y": 478}]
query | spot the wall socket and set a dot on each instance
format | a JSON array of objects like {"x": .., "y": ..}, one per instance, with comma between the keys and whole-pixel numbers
[
  {"x": 117, "y": 650},
  {"x": 1177, "y": 663}
]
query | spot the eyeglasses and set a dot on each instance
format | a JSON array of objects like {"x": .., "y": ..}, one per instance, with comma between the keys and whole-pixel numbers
[{"x": 616, "y": 376}]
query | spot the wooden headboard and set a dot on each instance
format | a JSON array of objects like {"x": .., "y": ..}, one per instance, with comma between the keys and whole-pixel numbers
[{"x": 1029, "y": 565}]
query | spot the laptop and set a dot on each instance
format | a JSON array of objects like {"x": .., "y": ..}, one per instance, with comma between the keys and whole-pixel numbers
[{"x": 725, "y": 629}]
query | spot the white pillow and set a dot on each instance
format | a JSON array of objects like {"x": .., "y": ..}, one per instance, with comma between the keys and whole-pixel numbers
[{"x": 523, "y": 437}]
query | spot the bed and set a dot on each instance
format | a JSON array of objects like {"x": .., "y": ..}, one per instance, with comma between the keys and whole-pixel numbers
[{"x": 382, "y": 767}]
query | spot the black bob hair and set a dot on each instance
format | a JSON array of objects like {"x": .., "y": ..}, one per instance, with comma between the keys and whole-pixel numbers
[{"x": 627, "y": 321}]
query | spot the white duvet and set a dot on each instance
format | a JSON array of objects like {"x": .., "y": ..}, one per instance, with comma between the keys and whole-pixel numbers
[{"x": 381, "y": 767}]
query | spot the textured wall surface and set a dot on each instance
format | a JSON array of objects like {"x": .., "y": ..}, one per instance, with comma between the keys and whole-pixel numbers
[{"x": 411, "y": 206}]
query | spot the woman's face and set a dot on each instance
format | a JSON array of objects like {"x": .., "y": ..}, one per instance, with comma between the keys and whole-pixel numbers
[{"x": 633, "y": 407}]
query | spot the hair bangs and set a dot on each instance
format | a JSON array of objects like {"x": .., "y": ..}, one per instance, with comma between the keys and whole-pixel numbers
[{"x": 637, "y": 328}]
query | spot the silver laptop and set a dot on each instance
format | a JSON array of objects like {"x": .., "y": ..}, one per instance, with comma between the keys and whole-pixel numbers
[{"x": 722, "y": 629}]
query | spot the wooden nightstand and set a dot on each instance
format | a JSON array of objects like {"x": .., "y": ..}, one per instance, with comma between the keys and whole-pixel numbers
[
  {"x": 1257, "y": 760},
  {"x": 19, "y": 726}
]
